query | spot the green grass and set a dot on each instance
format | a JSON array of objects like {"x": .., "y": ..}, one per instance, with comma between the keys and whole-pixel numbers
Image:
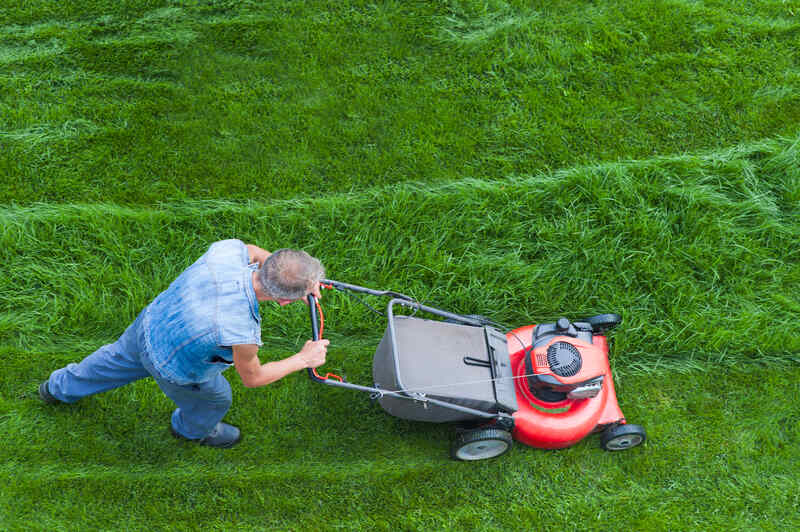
[
  {"x": 697, "y": 252},
  {"x": 524, "y": 160},
  {"x": 720, "y": 455},
  {"x": 137, "y": 102}
]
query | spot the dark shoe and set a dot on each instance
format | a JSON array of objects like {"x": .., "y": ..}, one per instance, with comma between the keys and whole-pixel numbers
[
  {"x": 44, "y": 394},
  {"x": 222, "y": 437}
]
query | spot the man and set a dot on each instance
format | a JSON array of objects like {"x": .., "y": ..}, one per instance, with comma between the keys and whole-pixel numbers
[{"x": 206, "y": 321}]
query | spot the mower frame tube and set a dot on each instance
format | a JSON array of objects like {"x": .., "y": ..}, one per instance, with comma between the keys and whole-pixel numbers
[
  {"x": 363, "y": 290},
  {"x": 312, "y": 305}
]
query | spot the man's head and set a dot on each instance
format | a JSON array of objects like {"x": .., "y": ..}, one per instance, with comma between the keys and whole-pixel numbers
[{"x": 290, "y": 274}]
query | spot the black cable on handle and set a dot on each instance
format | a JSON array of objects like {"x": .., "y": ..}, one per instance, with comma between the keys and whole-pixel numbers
[{"x": 362, "y": 290}]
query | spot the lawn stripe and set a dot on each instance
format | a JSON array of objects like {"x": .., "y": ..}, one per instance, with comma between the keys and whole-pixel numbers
[
  {"x": 725, "y": 436},
  {"x": 229, "y": 101}
]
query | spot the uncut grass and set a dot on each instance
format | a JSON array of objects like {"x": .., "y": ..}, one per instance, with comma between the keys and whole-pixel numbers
[
  {"x": 144, "y": 101},
  {"x": 698, "y": 254}
]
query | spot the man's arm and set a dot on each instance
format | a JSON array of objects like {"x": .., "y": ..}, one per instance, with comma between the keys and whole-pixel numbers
[
  {"x": 255, "y": 374},
  {"x": 257, "y": 254}
]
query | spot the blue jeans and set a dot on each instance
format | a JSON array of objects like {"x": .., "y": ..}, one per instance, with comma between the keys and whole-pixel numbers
[{"x": 200, "y": 406}]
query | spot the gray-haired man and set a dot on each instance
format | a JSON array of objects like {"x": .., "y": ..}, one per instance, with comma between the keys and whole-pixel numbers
[{"x": 206, "y": 321}]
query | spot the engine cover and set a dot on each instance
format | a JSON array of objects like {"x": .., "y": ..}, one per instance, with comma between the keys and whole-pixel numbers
[
  {"x": 564, "y": 359},
  {"x": 588, "y": 404},
  {"x": 562, "y": 365}
]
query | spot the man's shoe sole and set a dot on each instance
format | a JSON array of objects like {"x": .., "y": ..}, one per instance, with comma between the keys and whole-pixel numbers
[{"x": 45, "y": 395}]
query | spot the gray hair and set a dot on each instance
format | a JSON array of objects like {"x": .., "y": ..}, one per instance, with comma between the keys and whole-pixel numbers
[{"x": 290, "y": 274}]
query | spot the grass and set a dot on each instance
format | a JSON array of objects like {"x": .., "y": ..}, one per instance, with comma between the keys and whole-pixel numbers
[
  {"x": 135, "y": 102},
  {"x": 675, "y": 244},
  {"x": 525, "y": 160},
  {"x": 314, "y": 458},
  {"x": 706, "y": 358}
]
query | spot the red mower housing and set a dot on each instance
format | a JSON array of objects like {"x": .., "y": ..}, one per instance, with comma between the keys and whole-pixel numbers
[{"x": 561, "y": 398}]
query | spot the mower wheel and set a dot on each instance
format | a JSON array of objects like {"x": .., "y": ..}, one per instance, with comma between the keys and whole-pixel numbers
[
  {"x": 621, "y": 437},
  {"x": 603, "y": 322},
  {"x": 480, "y": 444}
]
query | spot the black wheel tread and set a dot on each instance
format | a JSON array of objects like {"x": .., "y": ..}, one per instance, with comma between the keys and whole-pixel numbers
[
  {"x": 603, "y": 322},
  {"x": 466, "y": 437},
  {"x": 616, "y": 431}
]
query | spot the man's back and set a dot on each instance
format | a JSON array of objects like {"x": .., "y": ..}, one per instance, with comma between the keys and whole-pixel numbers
[{"x": 211, "y": 306}]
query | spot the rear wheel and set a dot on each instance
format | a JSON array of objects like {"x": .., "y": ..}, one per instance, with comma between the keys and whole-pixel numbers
[
  {"x": 480, "y": 444},
  {"x": 621, "y": 437}
]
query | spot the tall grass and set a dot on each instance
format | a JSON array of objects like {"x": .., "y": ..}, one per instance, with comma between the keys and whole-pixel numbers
[{"x": 698, "y": 253}]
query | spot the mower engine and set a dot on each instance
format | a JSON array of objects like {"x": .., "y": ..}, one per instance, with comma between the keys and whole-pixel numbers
[
  {"x": 555, "y": 368},
  {"x": 565, "y": 390}
]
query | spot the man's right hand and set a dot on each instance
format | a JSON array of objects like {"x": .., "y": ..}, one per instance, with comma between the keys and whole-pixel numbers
[{"x": 313, "y": 353}]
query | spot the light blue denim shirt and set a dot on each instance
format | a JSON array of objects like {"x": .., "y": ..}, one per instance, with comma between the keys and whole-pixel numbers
[{"x": 190, "y": 327}]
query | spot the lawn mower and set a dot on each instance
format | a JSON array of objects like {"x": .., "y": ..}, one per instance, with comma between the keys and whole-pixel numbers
[{"x": 547, "y": 385}]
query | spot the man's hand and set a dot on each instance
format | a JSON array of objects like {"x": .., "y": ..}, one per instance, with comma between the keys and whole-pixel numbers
[
  {"x": 313, "y": 353},
  {"x": 254, "y": 373},
  {"x": 316, "y": 292}
]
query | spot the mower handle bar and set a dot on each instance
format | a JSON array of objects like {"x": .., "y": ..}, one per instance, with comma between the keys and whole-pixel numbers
[
  {"x": 397, "y": 298},
  {"x": 312, "y": 306},
  {"x": 363, "y": 290},
  {"x": 312, "y": 309}
]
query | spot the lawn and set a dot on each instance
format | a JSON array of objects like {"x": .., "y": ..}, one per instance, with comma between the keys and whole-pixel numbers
[
  {"x": 138, "y": 101},
  {"x": 524, "y": 160}
]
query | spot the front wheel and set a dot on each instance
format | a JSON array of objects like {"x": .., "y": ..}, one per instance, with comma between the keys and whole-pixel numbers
[
  {"x": 480, "y": 444},
  {"x": 621, "y": 437}
]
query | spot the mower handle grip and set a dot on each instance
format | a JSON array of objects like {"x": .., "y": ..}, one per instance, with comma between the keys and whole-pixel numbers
[{"x": 312, "y": 311}]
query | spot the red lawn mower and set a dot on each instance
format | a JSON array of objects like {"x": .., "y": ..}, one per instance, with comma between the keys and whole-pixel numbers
[{"x": 546, "y": 385}]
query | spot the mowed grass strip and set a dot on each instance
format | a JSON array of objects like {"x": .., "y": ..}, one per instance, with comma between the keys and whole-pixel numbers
[
  {"x": 698, "y": 253},
  {"x": 722, "y": 453},
  {"x": 140, "y": 101}
]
